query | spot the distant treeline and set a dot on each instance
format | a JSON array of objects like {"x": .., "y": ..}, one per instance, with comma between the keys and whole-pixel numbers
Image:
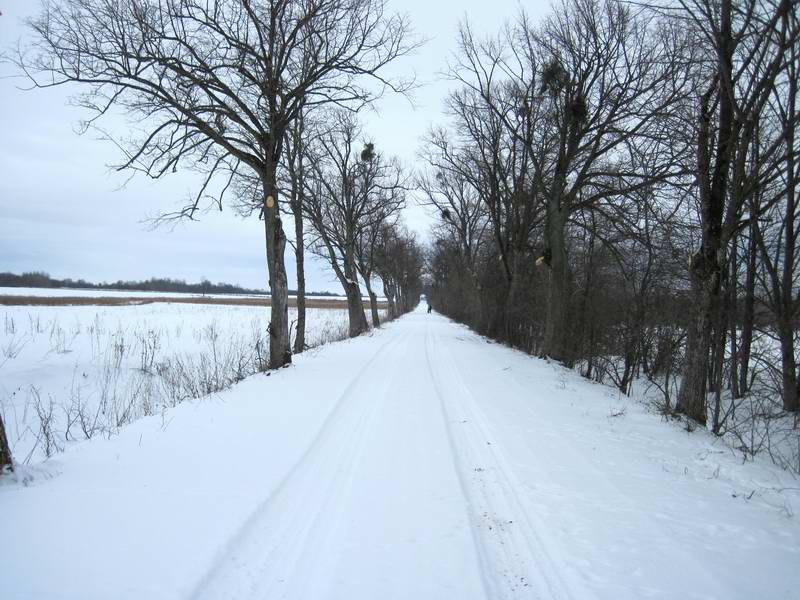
[{"x": 39, "y": 279}]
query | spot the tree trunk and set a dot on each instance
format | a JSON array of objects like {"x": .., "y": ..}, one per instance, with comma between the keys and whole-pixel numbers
[
  {"x": 388, "y": 290},
  {"x": 373, "y": 305},
  {"x": 279, "y": 352},
  {"x": 512, "y": 305},
  {"x": 402, "y": 300},
  {"x": 5, "y": 451},
  {"x": 704, "y": 274},
  {"x": 296, "y": 169},
  {"x": 788, "y": 366},
  {"x": 633, "y": 342},
  {"x": 786, "y": 331},
  {"x": 579, "y": 339},
  {"x": 705, "y": 267},
  {"x": 720, "y": 332},
  {"x": 733, "y": 308},
  {"x": 556, "y": 327},
  {"x": 355, "y": 310},
  {"x": 299, "y": 252},
  {"x": 355, "y": 304},
  {"x": 693, "y": 390},
  {"x": 748, "y": 312}
]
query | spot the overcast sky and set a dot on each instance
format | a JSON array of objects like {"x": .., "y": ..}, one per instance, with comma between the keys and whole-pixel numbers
[{"x": 63, "y": 211}]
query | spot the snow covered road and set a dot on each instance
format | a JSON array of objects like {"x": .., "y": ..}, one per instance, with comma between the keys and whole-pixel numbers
[
  {"x": 421, "y": 462},
  {"x": 372, "y": 510}
]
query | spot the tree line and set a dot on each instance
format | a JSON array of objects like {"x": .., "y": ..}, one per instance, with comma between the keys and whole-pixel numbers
[
  {"x": 616, "y": 189},
  {"x": 41, "y": 279}
]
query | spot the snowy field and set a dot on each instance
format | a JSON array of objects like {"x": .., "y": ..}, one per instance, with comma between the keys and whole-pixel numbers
[
  {"x": 419, "y": 462},
  {"x": 76, "y": 372}
]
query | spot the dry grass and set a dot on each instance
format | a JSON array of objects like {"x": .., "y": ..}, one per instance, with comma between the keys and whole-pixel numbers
[{"x": 332, "y": 303}]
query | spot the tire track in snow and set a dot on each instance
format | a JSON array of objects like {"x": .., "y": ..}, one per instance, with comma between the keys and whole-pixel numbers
[
  {"x": 515, "y": 560},
  {"x": 481, "y": 549},
  {"x": 262, "y": 560}
]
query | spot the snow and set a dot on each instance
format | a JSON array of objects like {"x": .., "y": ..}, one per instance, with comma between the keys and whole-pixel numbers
[
  {"x": 112, "y": 358},
  {"x": 418, "y": 462}
]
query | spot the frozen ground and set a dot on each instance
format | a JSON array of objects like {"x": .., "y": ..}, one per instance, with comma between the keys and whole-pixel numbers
[
  {"x": 420, "y": 462},
  {"x": 68, "y": 373}
]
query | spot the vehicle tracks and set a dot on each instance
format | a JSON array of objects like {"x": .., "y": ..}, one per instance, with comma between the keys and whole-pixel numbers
[
  {"x": 515, "y": 560},
  {"x": 291, "y": 526}
]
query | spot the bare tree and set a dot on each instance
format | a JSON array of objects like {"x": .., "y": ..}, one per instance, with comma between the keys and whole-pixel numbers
[
  {"x": 493, "y": 161},
  {"x": 748, "y": 42},
  {"x": 399, "y": 264},
  {"x": 451, "y": 186},
  {"x": 368, "y": 239},
  {"x": 447, "y": 188},
  {"x": 350, "y": 190},
  {"x": 215, "y": 86},
  {"x": 777, "y": 235},
  {"x": 295, "y": 169}
]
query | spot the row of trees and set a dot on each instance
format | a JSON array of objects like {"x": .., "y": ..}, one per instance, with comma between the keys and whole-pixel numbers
[
  {"x": 221, "y": 88},
  {"x": 351, "y": 195},
  {"x": 230, "y": 89},
  {"x": 617, "y": 190},
  {"x": 40, "y": 279}
]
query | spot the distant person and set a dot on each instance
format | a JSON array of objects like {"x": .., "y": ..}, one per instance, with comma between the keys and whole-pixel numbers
[{"x": 429, "y": 308}]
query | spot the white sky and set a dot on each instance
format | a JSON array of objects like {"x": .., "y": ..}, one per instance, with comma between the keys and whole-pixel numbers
[{"x": 62, "y": 210}]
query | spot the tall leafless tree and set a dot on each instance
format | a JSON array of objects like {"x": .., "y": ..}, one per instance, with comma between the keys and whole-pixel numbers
[
  {"x": 368, "y": 240},
  {"x": 447, "y": 186},
  {"x": 748, "y": 42},
  {"x": 399, "y": 263},
  {"x": 295, "y": 170},
  {"x": 777, "y": 235},
  {"x": 350, "y": 190}
]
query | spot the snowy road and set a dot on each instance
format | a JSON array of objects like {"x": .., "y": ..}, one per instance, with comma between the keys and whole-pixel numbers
[
  {"x": 374, "y": 509},
  {"x": 421, "y": 462}
]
